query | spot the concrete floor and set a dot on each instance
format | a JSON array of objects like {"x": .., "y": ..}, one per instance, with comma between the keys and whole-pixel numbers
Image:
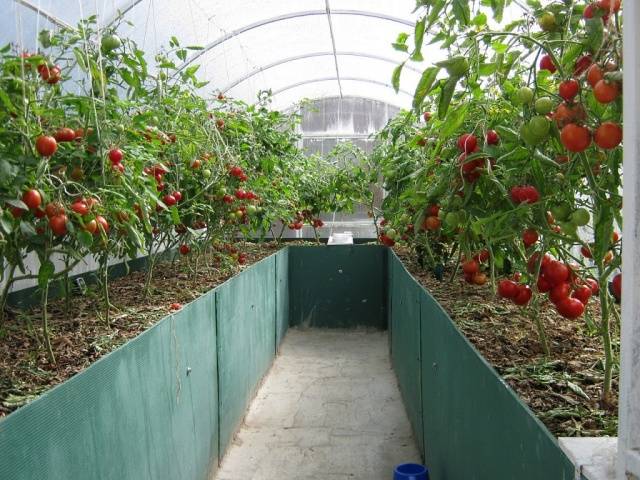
[{"x": 330, "y": 409}]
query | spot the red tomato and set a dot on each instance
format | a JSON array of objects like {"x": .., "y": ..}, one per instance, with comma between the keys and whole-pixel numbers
[
  {"x": 529, "y": 237},
  {"x": 615, "y": 236},
  {"x": 605, "y": 91},
  {"x": 177, "y": 195},
  {"x": 227, "y": 199},
  {"x": 582, "y": 293},
  {"x": 546, "y": 63},
  {"x": 507, "y": 288},
  {"x": 593, "y": 285},
  {"x": 524, "y": 194},
  {"x": 594, "y": 75},
  {"x": 481, "y": 256},
  {"x": 523, "y": 296},
  {"x": 32, "y": 198},
  {"x": 235, "y": 171},
  {"x": 492, "y": 138},
  {"x": 570, "y": 307},
  {"x": 616, "y": 286},
  {"x": 196, "y": 164},
  {"x": 91, "y": 227},
  {"x": 556, "y": 272},
  {"x": 169, "y": 200},
  {"x": 103, "y": 225},
  {"x": 65, "y": 135},
  {"x": 175, "y": 306},
  {"x": 479, "y": 278},
  {"x": 432, "y": 223},
  {"x": 609, "y": 5},
  {"x": 575, "y": 138},
  {"x": 532, "y": 264},
  {"x": 240, "y": 194},
  {"x": 569, "y": 113},
  {"x": 80, "y": 207},
  {"x": 426, "y": 116},
  {"x": 39, "y": 213},
  {"x": 58, "y": 225},
  {"x": 115, "y": 155},
  {"x": 543, "y": 284},
  {"x": 608, "y": 135},
  {"x": 185, "y": 249},
  {"x": 471, "y": 267},
  {"x": 559, "y": 292},
  {"x": 569, "y": 89},
  {"x": 433, "y": 210},
  {"x": 586, "y": 251},
  {"x": 46, "y": 145},
  {"x": 54, "y": 208},
  {"x": 467, "y": 142},
  {"x": 581, "y": 65}
]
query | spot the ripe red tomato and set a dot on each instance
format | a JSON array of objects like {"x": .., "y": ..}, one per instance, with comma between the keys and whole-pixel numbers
[
  {"x": 54, "y": 208},
  {"x": 51, "y": 75},
  {"x": 556, "y": 272},
  {"x": 507, "y": 288},
  {"x": 177, "y": 195},
  {"x": 422, "y": 142},
  {"x": 32, "y": 198},
  {"x": 532, "y": 264},
  {"x": 570, "y": 307},
  {"x": 227, "y": 198},
  {"x": 529, "y": 237},
  {"x": 118, "y": 168},
  {"x": 479, "y": 278},
  {"x": 615, "y": 237},
  {"x": 589, "y": 11},
  {"x": 65, "y": 134},
  {"x": 582, "y": 293},
  {"x": 609, "y": 5},
  {"x": 569, "y": 89},
  {"x": 115, "y": 155},
  {"x": 46, "y": 145},
  {"x": 175, "y": 306},
  {"x": 543, "y": 284},
  {"x": 594, "y": 75},
  {"x": 103, "y": 225},
  {"x": 605, "y": 91},
  {"x": 467, "y": 142},
  {"x": 196, "y": 164},
  {"x": 169, "y": 200},
  {"x": 546, "y": 63},
  {"x": 220, "y": 123},
  {"x": 582, "y": 64},
  {"x": 559, "y": 292},
  {"x": 569, "y": 113},
  {"x": 481, "y": 256},
  {"x": 586, "y": 251},
  {"x": 235, "y": 171},
  {"x": 185, "y": 249},
  {"x": 523, "y": 296},
  {"x": 592, "y": 283},
  {"x": 426, "y": 116},
  {"x": 616, "y": 286},
  {"x": 608, "y": 135},
  {"x": 524, "y": 194},
  {"x": 58, "y": 225},
  {"x": 492, "y": 137},
  {"x": 432, "y": 223},
  {"x": 240, "y": 194},
  {"x": 471, "y": 267},
  {"x": 575, "y": 138},
  {"x": 243, "y": 177},
  {"x": 39, "y": 213}
]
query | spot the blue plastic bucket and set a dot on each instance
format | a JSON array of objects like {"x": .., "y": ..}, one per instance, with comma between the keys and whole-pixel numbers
[{"x": 410, "y": 471}]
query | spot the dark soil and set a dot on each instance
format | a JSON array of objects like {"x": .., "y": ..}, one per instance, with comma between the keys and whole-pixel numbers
[
  {"x": 80, "y": 340},
  {"x": 563, "y": 390}
]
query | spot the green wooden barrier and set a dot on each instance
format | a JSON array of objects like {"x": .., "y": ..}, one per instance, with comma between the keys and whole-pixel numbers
[
  {"x": 339, "y": 286},
  {"x": 246, "y": 314},
  {"x": 405, "y": 343},
  {"x": 475, "y": 426},
  {"x": 147, "y": 411},
  {"x": 282, "y": 295}
]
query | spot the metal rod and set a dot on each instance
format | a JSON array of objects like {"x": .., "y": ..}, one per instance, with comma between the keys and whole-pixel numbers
[{"x": 43, "y": 13}]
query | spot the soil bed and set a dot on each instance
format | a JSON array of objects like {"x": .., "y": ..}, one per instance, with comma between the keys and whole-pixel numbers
[
  {"x": 25, "y": 371},
  {"x": 563, "y": 390}
]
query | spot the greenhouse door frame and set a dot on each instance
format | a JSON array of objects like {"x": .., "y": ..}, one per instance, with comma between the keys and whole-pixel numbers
[{"x": 629, "y": 424}]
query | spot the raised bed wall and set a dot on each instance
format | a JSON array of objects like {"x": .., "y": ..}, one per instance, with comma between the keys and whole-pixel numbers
[{"x": 167, "y": 404}]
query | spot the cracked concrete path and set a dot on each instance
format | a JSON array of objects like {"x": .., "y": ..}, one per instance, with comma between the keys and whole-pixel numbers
[{"x": 330, "y": 409}]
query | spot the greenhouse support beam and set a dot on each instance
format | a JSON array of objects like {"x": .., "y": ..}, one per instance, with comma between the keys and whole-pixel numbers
[
  {"x": 43, "y": 13},
  {"x": 293, "y": 58},
  {"x": 333, "y": 45},
  {"x": 328, "y": 79},
  {"x": 289, "y": 16},
  {"x": 629, "y": 420}
]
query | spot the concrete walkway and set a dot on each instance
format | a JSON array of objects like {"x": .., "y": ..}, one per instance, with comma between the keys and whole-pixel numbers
[{"x": 330, "y": 409}]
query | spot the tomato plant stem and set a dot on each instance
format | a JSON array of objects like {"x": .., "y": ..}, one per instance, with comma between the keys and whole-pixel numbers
[
  {"x": 45, "y": 323},
  {"x": 5, "y": 292}
]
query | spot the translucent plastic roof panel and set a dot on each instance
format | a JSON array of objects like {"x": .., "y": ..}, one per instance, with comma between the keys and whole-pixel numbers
[{"x": 20, "y": 26}]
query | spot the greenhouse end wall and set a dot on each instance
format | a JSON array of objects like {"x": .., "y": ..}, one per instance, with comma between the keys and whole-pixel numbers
[{"x": 167, "y": 404}]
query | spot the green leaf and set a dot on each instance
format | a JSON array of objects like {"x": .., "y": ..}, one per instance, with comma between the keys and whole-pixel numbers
[
  {"x": 499, "y": 47},
  {"x": 498, "y": 9},
  {"x": 175, "y": 216},
  {"x": 479, "y": 20},
  {"x": 418, "y": 39},
  {"x": 401, "y": 42},
  {"x": 595, "y": 34},
  {"x": 17, "y": 203},
  {"x": 27, "y": 229},
  {"x": 424, "y": 86},
  {"x": 395, "y": 77},
  {"x": 487, "y": 69},
  {"x": 434, "y": 15},
  {"x": 80, "y": 58},
  {"x": 446, "y": 93},
  {"x": 5, "y": 224},
  {"x": 461, "y": 11},
  {"x": 7, "y": 170},
  {"x": 454, "y": 120},
  {"x": 45, "y": 273},
  {"x": 85, "y": 238}
]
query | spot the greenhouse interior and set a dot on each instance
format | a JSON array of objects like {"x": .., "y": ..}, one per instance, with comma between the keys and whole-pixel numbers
[{"x": 319, "y": 240}]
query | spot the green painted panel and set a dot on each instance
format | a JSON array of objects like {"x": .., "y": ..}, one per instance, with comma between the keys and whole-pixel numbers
[
  {"x": 405, "y": 343},
  {"x": 138, "y": 413},
  {"x": 246, "y": 311},
  {"x": 282, "y": 294},
  {"x": 339, "y": 286},
  {"x": 475, "y": 426}
]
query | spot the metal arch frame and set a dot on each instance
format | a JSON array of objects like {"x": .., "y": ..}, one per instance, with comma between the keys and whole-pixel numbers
[
  {"x": 396, "y": 105},
  {"x": 289, "y": 16},
  {"x": 43, "y": 13},
  {"x": 282, "y": 61},
  {"x": 328, "y": 79}
]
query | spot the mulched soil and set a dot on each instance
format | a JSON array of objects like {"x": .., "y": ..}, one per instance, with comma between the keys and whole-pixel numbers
[
  {"x": 563, "y": 390},
  {"x": 25, "y": 370}
]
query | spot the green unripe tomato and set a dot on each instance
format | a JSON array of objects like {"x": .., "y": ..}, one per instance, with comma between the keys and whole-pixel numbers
[
  {"x": 544, "y": 105},
  {"x": 109, "y": 43},
  {"x": 539, "y": 126},
  {"x": 44, "y": 37},
  {"x": 528, "y": 136},
  {"x": 524, "y": 95},
  {"x": 547, "y": 22},
  {"x": 569, "y": 228},
  {"x": 405, "y": 218},
  {"x": 561, "y": 212},
  {"x": 391, "y": 233},
  {"x": 452, "y": 220},
  {"x": 206, "y": 173},
  {"x": 251, "y": 209},
  {"x": 581, "y": 217}
]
